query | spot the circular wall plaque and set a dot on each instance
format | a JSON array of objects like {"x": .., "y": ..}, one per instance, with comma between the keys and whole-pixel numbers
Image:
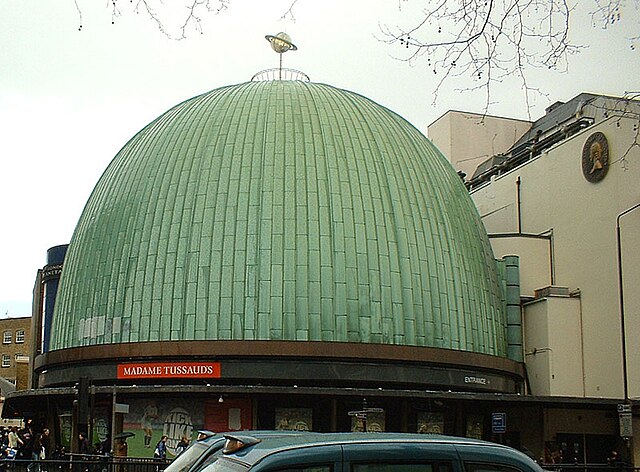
[{"x": 595, "y": 157}]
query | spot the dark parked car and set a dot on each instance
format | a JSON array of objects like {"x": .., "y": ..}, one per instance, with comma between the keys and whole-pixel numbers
[
  {"x": 198, "y": 455},
  {"x": 205, "y": 451},
  {"x": 366, "y": 452}
]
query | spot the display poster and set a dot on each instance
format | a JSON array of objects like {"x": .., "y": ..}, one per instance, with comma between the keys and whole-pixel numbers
[
  {"x": 149, "y": 420},
  {"x": 64, "y": 419},
  {"x": 375, "y": 423},
  {"x": 298, "y": 419},
  {"x": 430, "y": 423},
  {"x": 101, "y": 429},
  {"x": 474, "y": 426}
]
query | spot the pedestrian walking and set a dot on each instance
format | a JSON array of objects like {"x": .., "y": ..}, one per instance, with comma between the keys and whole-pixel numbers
[{"x": 161, "y": 448}]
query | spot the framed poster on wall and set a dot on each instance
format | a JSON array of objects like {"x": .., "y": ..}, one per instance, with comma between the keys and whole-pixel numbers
[
  {"x": 298, "y": 419},
  {"x": 430, "y": 423},
  {"x": 474, "y": 426},
  {"x": 376, "y": 423}
]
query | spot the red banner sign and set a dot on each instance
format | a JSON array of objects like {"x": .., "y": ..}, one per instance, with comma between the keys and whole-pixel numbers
[{"x": 170, "y": 370}]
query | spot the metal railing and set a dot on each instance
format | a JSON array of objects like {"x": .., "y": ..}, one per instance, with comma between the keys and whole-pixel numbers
[
  {"x": 100, "y": 463},
  {"x": 589, "y": 468},
  {"x": 87, "y": 463}
]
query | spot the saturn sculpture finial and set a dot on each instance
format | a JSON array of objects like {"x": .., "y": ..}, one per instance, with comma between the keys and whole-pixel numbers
[{"x": 281, "y": 43}]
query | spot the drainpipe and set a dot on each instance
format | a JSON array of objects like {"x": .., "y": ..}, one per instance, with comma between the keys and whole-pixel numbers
[
  {"x": 518, "y": 204},
  {"x": 514, "y": 312},
  {"x": 621, "y": 298},
  {"x": 113, "y": 419}
]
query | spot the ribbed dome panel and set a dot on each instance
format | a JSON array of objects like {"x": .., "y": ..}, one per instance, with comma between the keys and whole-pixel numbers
[{"x": 280, "y": 211}]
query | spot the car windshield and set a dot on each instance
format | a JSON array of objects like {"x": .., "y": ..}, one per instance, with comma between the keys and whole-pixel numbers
[{"x": 190, "y": 456}]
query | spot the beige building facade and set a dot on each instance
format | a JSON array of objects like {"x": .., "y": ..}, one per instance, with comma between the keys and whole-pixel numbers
[
  {"x": 565, "y": 198},
  {"x": 473, "y": 138}
]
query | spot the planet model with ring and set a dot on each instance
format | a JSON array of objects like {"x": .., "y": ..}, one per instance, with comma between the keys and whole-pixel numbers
[{"x": 281, "y": 42}]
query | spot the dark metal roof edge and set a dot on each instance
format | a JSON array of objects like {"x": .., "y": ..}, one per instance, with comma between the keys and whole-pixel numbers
[
  {"x": 260, "y": 389},
  {"x": 327, "y": 350},
  {"x": 41, "y": 392}
]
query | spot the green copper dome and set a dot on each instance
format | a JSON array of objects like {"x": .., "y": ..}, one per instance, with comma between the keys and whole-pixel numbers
[{"x": 280, "y": 211}]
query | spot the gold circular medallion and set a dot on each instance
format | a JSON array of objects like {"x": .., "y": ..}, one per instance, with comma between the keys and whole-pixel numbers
[{"x": 595, "y": 157}]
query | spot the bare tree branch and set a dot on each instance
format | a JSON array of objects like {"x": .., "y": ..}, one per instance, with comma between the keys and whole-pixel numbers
[
  {"x": 79, "y": 14},
  {"x": 289, "y": 13},
  {"x": 189, "y": 19},
  {"x": 491, "y": 40},
  {"x": 629, "y": 108},
  {"x": 175, "y": 19}
]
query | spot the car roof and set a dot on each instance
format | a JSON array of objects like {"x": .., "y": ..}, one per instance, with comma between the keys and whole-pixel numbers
[
  {"x": 258, "y": 433},
  {"x": 273, "y": 438},
  {"x": 214, "y": 443},
  {"x": 272, "y": 443}
]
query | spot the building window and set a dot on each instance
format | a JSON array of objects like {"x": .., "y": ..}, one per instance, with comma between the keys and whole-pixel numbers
[
  {"x": 7, "y": 337},
  {"x": 20, "y": 336},
  {"x": 6, "y": 360}
]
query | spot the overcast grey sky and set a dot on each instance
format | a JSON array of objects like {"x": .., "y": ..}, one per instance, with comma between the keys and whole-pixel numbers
[{"x": 70, "y": 99}]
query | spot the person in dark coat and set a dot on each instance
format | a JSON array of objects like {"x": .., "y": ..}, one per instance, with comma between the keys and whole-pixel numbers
[
  {"x": 161, "y": 448},
  {"x": 83, "y": 444},
  {"x": 26, "y": 448},
  {"x": 182, "y": 445}
]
